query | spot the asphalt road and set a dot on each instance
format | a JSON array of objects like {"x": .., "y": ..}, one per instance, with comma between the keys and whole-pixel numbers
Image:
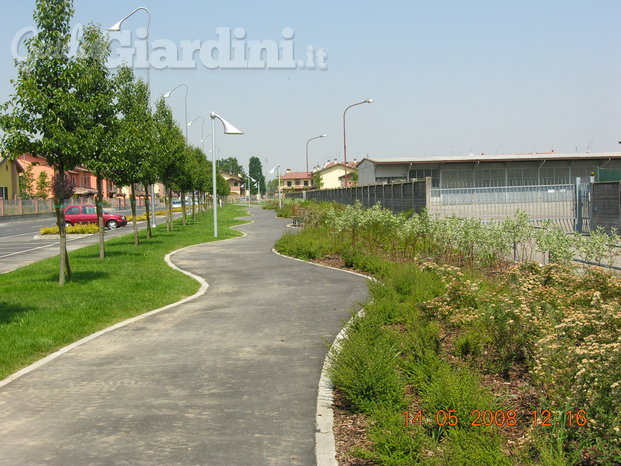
[
  {"x": 228, "y": 378},
  {"x": 18, "y": 247}
]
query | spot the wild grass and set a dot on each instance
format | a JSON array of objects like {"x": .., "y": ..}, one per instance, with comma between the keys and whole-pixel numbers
[{"x": 38, "y": 317}]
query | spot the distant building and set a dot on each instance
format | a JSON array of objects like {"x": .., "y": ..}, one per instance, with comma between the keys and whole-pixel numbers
[
  {"x": 333, "y": 174},
  {"x": 235, "y": 183},
  {"x": 9, "y": 178},
  {"x": 84, "y": 182},
  {"x": 471, "y": 171},
  {"x": 296, "y": 181}
]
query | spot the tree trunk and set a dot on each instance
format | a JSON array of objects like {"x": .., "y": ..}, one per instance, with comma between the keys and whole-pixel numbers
[
  {"x": 64, "y": 269},
  {"x": 183, "y": 208},
  {"x": 170, "y": 211},
  {"x": 148, "y": 212},
  {"x": 100, "y": 222},
  {"x": 132, "y": 202},
  {"x": 193, "y": 205}
]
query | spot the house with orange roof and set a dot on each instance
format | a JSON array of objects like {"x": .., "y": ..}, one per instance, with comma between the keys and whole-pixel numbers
[
  {"x": 296, "y": 181},
  {"x": 336, "y": 174}
]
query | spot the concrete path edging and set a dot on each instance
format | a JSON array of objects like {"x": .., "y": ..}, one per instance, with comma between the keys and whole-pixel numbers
[{"x": 167, "y": 258}]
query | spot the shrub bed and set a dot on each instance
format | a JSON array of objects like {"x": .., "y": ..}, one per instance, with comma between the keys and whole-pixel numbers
[{"x": 455, "y": 328}]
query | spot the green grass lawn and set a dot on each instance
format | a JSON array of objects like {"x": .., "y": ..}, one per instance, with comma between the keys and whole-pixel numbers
[{"x": 38, "y": 317}]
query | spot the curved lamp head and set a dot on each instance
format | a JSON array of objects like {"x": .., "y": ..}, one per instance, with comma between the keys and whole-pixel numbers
[
  {"x": 116, "y": 26},
  {"x": 228, "y": 127},
  {"x": 274, "y": 169},
  {"x": 194, "y": 120},
  {"x": 323, "y": 136},
  {"x": 368, "y": 101}
]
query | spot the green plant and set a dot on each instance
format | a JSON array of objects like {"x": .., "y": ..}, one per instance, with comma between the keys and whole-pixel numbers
[{"x": 71, "y": 229}]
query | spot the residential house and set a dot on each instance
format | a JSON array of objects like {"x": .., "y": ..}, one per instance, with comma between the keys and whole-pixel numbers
[
  {"x": 9, "y": 178},
  {"x": 296, "y": 181},
  {"x": 333, "y": 174},
  {"x": 84, "y": 182},
  {"x": 235, "y": 183}
]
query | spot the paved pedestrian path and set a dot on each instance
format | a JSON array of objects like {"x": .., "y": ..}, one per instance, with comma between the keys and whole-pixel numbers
[{"x": 229, "y": 378}]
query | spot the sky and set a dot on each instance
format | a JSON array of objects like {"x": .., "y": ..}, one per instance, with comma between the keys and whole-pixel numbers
[{"x": 447, "y": 77}]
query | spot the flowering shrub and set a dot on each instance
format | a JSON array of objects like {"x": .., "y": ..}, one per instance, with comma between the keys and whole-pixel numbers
[
  {"x": 565, "y": 326},
  {"x": 72, "y": 230},
  {"x": 556, "y": 326}
]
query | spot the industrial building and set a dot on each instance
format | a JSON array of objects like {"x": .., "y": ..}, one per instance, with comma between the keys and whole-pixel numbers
[{"x": 494, "y": 170}]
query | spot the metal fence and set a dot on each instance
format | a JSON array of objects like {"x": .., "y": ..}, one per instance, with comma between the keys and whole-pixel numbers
[
  {"x": 398, "y": 197},
  {"x": 540, "y": 202},
  {"x": 606, "y": 201},
  {"x": 567, "y": 205}
]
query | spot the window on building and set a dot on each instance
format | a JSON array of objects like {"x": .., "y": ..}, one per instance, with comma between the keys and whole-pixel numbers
[
  {"x": 236, "y": 183},
  {"x": 288, "y": 184},
  {"x": 297, "y": 182},
  {"x": 306, "y": 183},
  {"x": 421, "y": 174},
  {"x": 4, "y": 192}
]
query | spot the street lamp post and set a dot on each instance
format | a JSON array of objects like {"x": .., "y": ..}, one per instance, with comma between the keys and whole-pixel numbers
[
  {"x": 116, "y": 27},
  {"x": 365, "y": 101},
  {"x": 228, "y": 129},
  {"x": 203, "y": 137},
  {"x": 316, "y": 137},
  {"x": 252, "y": 180},
  {"x": 187, "y": 90},
  {"x": 277, "y": 169}
]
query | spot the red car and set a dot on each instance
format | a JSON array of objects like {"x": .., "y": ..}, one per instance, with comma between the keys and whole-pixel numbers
[{"x": 82, "y": 214}]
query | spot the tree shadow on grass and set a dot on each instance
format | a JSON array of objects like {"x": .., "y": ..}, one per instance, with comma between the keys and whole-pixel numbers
[
  {"x": 88, "y": 276},
  {"x": 76, "y": 277},
  {"x": 8, "y": 311}
]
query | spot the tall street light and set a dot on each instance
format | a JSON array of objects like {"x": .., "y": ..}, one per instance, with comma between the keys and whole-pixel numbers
[
  {"x": 277, "y": 168},
  {"x": 316, "y": 137},
  {"x": 187, "y": 90},
  {"x": 365, "y": 101},
  {"x": 203, "y": 137},
  {"x": 116, "y": 27},
  {"x": 228, "y": 129},
  {"x": 252, "y": 180}
]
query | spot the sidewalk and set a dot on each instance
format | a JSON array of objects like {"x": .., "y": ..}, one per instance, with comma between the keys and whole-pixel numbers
[{"x": 229, "y": 378}]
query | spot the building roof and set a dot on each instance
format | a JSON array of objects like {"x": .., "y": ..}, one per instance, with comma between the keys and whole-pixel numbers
[
  {"x": 296, "y": 176},
  {"x": 329, "y": 165},
  {"x": 228, "y": 176},
  {"x": 496, "y": 157}
]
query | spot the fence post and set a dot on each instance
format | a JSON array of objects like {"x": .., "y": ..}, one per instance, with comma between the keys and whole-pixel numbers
[
  {"x": 578, "y": 206},
  {"x": 428, "y": 193},
  {"x": 20, "y": 203},
  {"x": 1, "y": 207}
]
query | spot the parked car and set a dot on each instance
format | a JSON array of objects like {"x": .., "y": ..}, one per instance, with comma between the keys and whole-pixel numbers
[
  {"x": 82, "y": 214},
  {"x": 176, "y": 203}
]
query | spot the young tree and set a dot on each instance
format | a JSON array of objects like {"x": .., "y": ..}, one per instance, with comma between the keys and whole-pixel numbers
[
  {"x": 43, "y": 116},
  {"x": 43, "y": 186},
  {"x": 97, "y": 90},
  {"x": 317, "y": 180},
  {"x": 26, "y": 181},
  {"x": 170, "y": 145},
  {"x": 132, "y": 144},
  {"x": 199, "y": 173},
  {"x": 272, "y": 186},
  {"x": 256, "y": 172}
]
